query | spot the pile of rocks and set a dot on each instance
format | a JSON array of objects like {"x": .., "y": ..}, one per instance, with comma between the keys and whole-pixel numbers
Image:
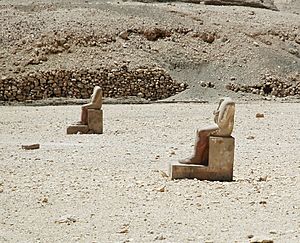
[
  {"x": 50, "y": 44},
  {"x": 153, "y": 34},
  {"x": 148, "y": 83},
  {"x": 271, "y": 85}
]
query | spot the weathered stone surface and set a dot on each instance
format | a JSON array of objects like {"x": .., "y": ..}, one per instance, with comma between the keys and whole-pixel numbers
[
  {"x": 268, "y": 4},
  {"x": 31, "y": 146},
  {"x": 74, "y": 129},
  {"x": 221, "y": 154},
  {"x": 220, "y": 163},
  {"x": 95, "y": 120}
]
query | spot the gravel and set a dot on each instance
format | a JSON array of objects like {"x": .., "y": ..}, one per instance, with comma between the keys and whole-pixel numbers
[{"x": 113, "y": 187}]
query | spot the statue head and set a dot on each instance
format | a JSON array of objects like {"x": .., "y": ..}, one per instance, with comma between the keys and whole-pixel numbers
[
  {"x": 224, "y": 116},
  {"x": 96, "y": 98}
]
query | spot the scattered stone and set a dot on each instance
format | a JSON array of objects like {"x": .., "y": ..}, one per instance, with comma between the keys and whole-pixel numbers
[
  {"x": 254, "y": 240},
  {"x": 66, "y": 220},
  {"x": 31, "y": 146},
  {"x": 293, "y": 51},
  {"x": 263, "y": 178},
  {"x": 172, "y": 152},
  {"x": 207, "y": 37},
  {"x": 154, "y": 34},
  {"x": 124, "y": 35},
  {"x": 259, "y": 115},
  {"x": 263, "y": 202},
  {"x": 163, "y": 174},
  {"x": 44, "y": 200},
  {"x": 160, "y": 237},
  {"x": 255, "y": 43},
  {"x": 123, "y": 231},
  {"x": 32, "y": 61},
  {"x": 161, "y": 189},
  {"x": 207, "y": 84}
]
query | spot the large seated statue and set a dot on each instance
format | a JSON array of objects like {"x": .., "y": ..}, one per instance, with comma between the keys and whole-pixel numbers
[
  {"x": 214, "y": 149},
  {"x": 224, "y": 120}
]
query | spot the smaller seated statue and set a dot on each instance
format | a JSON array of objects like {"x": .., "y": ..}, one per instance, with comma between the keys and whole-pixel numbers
[
  {"x": 224, "y": 121},
  {"x": 91, "y": 120},
  {"x": 96, "y": 103}
]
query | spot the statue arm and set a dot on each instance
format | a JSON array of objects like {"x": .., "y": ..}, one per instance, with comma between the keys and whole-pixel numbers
[
  {"x": 96, "y": 101},
  {"x": 211, "y": 129},
  {"x": 87, "y": 106}
]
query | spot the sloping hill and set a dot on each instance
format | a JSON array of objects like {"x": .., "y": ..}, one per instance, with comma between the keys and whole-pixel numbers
[{"x": 206, "y": 46}]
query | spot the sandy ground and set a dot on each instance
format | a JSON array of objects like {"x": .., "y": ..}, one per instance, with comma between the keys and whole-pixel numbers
[{"x": 112, "y": 187}]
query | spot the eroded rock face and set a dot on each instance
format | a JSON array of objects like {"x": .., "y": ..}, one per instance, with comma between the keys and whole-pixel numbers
[{"x": 268, "y": 4}]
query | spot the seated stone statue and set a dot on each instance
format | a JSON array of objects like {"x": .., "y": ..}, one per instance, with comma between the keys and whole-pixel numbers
[
  {"x": 91, "y": 121},
  {"x": 224, "y": 121},
  {"x": 96, "y": 103}
]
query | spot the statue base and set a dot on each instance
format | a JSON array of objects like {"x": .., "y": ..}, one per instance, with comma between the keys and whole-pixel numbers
[
  {"x": 95, "y": 121},
  {"x": 220, "y": 163},
  {"x": 94, "y": 126},
  {"x": 74, "y": 129}
]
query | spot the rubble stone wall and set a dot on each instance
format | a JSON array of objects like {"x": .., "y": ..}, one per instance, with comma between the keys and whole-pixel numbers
[
  {"x": 271, "y": 86},
  {"x": 148, "y": 83}
]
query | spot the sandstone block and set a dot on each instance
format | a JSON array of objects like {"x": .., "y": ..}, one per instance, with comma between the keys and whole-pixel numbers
[
  {"x": 74, "y": 129},
  {"x": 221, "y": 153},
  {"x": 31, "y": 146},
  {"x": 95, "y": 120}
]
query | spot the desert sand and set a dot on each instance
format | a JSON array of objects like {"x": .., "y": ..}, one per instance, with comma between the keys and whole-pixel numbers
[{"x": 114, "y": 187}]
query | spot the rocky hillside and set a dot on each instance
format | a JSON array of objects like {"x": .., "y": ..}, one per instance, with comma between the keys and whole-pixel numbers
[{"x": 210, "y": 48}]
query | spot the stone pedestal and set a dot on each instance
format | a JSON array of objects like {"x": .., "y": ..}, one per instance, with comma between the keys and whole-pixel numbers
[
  {"x": 74, "y": 129},
  {"x": 94, "y": 126},
  {"x": 220, "y": 163}
]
